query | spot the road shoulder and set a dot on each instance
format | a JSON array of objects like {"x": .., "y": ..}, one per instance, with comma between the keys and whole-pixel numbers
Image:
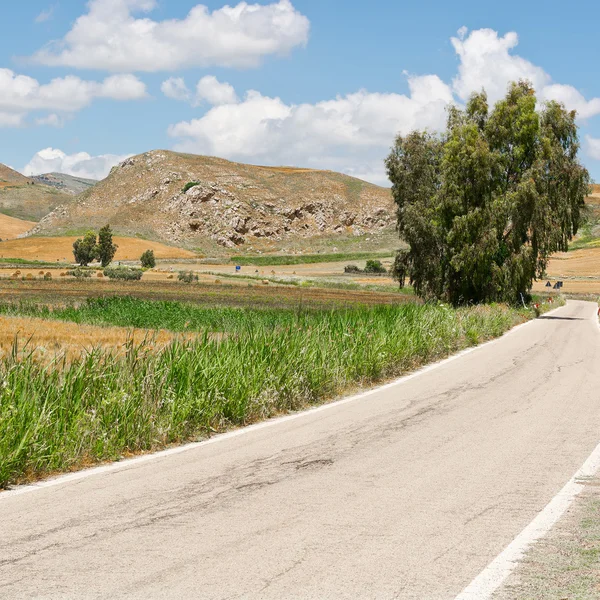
[{"x": 566, "y": 562}]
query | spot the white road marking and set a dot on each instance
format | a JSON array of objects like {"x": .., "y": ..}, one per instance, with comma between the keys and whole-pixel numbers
[
  {"x": 494, "y": 575},
  {"x": 134, "y": 462}
]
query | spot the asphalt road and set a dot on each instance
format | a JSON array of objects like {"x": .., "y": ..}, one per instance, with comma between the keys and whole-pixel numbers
[{"x": 407, "y": 493}]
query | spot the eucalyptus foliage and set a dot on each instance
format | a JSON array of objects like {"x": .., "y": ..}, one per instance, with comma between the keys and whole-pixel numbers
[{"x": 483, "y": 206}]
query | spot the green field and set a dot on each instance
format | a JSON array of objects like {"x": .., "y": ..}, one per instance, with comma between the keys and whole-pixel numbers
[
  {"x": 302, "y": 259},
  {"x": 241, "y": 365}
]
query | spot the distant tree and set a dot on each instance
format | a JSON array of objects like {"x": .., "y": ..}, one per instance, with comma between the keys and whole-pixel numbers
[
  {"x": 106, "y": 248},
  {"x": 147, "y": 259},
  {"x": 375, "y": 266},
  {"x": 85, "y": 250},
  {"x": 187, "y": 276},
  {"x": 483, "y": 206}
]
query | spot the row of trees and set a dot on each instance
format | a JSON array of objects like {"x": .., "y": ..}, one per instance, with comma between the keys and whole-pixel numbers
[
  {"x": 101, "y": 248},
  {"x": 484, "y": 205}
]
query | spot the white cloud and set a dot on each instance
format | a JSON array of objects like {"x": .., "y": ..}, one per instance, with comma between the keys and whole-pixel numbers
[
  {"x": 110, "y": 37},
  {"x": 572, "y": 98},
  {"x": 350, "y": 133},
  {"x": 353, "y": 133},
  {"x": 486, "y": 63},
  {"x": 209, "y": 89},
  {"x": 81, "y": 164},
  {"x": 8, "y": 119},
  {"x": 20, "y": 94},
  {"x": 45, "y": 15},
  {"x": 593, "y": 146},
  {"x": 175, "y": 88},
  {"x": 51, "y": 120}
]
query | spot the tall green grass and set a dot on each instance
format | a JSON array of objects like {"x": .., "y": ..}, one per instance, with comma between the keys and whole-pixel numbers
[{"x": 62, "y": 415}]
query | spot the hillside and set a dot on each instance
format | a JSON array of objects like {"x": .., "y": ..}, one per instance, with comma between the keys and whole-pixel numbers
[
  {"x": 8, "y": 176},
  {"x": 21, "y": 197},
  {"x": 231, "y": 206},
  {"x": 65, "y": 183}
]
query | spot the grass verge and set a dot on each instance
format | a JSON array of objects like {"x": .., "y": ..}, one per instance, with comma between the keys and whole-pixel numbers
[
  {"x": 303, "y": 259},
  {"x": 61, "y": 415}
]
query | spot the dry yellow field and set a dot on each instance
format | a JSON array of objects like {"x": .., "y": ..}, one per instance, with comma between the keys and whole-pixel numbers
[
  {"x": 11, "y": 228},
  {"x": 46, "y": 339},
  {"x": 60, "y": 249}
]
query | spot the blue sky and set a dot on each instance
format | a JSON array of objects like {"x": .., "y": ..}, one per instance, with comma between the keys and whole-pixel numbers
[{"x": 305, "y": 82}]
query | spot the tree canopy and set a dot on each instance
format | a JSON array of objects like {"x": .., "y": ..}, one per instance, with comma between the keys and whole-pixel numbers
[
  {"x": 106, "y": 249},
  {"x": 484, "y": 205}
]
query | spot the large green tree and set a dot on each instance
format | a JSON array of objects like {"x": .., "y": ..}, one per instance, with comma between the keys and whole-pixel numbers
[
  {"x": 484, "y": 205},
  {"x": 85, "y": 250},
  {"x": 106, "y": 248}
]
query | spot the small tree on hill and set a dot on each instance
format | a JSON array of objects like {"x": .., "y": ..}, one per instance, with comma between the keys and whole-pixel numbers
[
  {"x": 85, "y": 250},
  {"x": 106, "y": 248},
  {"x": 483, "y": 206},
  {"x": 147, "y": 259}
]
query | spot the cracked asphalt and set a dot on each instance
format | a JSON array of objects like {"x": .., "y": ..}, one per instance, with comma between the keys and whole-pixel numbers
[{"x": 406, "y": 493}]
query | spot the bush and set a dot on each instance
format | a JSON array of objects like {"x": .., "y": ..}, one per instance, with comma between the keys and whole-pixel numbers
[
  {"x": 47, "y": 276},
  {"x": 189, "y": 186},
  {"x": 187, "y": 276},
  {"x": 148, "y": 260},
  {"x": 79, "y": 273},
  {"x": 352, "y": 269},
  {"x": 375, "y": 266},
  {"x": 123, "y": 273}
]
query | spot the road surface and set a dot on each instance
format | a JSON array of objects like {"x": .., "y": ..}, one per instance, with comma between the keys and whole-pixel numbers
[{"x": 405, "y": 493}]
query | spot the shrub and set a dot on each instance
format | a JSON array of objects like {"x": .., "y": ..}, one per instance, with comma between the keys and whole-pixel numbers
[
  {"x": 375, "y": 266},
  {"x": 189, "y": 186},
  {"x": 47, "y": 276},
  {"x": 123, "y": 273},
  {"x": 187, "y": 276},
  {"x": 352, "y": 269},
  {"x": 148, "y": 260},
  {"x": 79, "y": 273}
]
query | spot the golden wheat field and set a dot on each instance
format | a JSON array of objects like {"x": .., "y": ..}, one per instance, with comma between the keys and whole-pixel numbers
[
  {"x": 46, "y": 339},
  {"x": 10, "y": 227},
  {"x": 60, "y": 249}
]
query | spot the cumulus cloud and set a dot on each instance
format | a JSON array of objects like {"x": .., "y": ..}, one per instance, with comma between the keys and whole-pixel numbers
[
  {"x": 487, "y": 62},
  {"x": 81, "y": 164},
  {"x": 109, "y": 36},
  {"x": 175, "y": 88},
  {"x": 593, "y": 146},
  {"x": 20, "y": 94},
  {"x": 353, "y": 133},
  {"x": 349, "y": 133},
  {"x": 209, "y": 89}
]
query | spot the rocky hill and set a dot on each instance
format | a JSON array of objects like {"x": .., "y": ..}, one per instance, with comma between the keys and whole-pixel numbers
[
  {"x": 23, "y": 198},
  {"x": 199, "y": 202},
  {"x": 65, "y": 183}
]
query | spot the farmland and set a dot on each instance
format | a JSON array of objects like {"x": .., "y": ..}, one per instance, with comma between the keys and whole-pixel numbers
[{"x": 241, "y": 365}]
